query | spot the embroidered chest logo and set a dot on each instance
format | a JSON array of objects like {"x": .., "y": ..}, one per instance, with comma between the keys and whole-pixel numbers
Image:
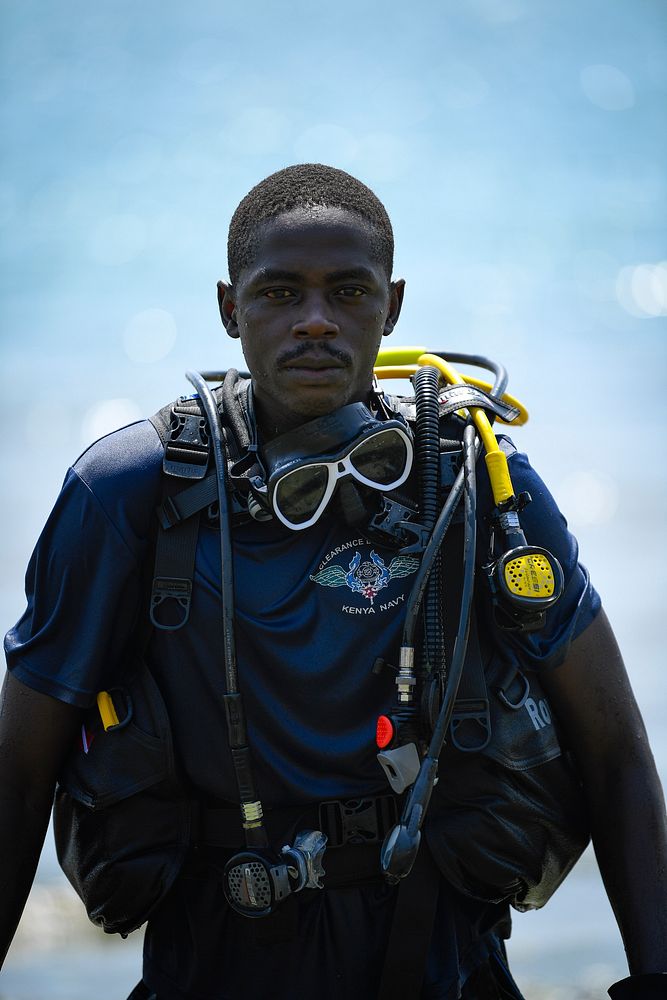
[{"x": 366, "y": 577}]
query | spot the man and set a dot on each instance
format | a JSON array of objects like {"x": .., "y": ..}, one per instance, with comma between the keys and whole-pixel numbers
[{"x": 311, "y": 297}]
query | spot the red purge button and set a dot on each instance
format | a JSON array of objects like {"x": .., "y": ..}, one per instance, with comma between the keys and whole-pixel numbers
[{"x": 384, "y": 732}]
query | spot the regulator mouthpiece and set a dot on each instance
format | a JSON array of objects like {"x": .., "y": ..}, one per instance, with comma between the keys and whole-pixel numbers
[
  {"x": 400, "y": 847},
  {"x": 255, "y": 883},
  {"x": 525, "y": 581}
]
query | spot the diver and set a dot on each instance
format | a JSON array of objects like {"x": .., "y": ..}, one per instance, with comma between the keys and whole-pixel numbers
[{"x": 279, "y": 636}]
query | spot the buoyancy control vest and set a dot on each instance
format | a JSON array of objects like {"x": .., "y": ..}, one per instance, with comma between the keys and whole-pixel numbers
[{"x": 506, "y": 821}]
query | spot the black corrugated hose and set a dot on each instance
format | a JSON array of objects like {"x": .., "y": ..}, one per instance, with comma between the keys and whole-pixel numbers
[{"x": 427, "y": 449}]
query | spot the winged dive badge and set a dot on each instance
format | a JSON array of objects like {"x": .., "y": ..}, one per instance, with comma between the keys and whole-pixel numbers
[{"x": 369, "y": 577}]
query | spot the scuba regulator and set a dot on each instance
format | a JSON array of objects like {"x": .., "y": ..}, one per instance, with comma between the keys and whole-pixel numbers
[
  {"x": 255, "y": 882},
  {"x": 525, "y": 581}
]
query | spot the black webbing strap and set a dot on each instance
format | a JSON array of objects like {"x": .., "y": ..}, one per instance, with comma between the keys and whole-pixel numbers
[
  {"x": 184, "y": 435},
  {"x": 172, "y": 579},
  {"x": 411, "y": 930},
  {"x": 180, "y": 506}
]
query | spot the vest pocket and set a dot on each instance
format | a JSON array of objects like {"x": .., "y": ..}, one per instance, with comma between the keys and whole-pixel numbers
[
  {"x": 121, "y": 813},
  {"x": 509, "y": 822}
]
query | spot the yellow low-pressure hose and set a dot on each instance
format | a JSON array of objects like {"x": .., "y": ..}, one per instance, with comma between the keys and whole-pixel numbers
[{"x": 392, "y": 362}]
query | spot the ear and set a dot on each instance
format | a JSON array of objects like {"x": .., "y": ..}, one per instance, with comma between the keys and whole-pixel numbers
[
  {"x": 227, "y": 307},
  {"x": 396, "y": 292}
]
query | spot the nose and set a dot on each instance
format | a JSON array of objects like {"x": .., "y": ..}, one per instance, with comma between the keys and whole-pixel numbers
[{"x": 315, "y": 320}]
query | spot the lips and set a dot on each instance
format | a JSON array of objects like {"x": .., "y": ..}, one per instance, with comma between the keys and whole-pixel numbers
[
  {"x": 312, "y": 374},
  {"x": 314, "y": 364}
]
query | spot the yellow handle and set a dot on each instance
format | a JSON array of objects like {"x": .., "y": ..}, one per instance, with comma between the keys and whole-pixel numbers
[
  {"x": 107, "y": 710},
  {"x": 496, "y": 461},
  {"x": 397, "y": 362},
  {"x": 399, "y": 356},
  {"x": 390, "y": 364}
]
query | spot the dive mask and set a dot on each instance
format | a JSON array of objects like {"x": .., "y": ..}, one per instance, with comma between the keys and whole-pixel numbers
[{"x": 303, "y": 466}]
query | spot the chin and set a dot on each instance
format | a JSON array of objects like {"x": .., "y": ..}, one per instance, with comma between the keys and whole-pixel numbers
[{"x": 317, "y": 404}]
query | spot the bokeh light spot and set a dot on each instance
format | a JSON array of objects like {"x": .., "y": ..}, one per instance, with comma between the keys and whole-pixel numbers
[
  {"x": 150, "y": 336},
  {"x": 108, "y": 415},
  {"x": 641, "y": 289},
  {"x": 607, "y": 87},
  {"x": 587, "y": 498}
]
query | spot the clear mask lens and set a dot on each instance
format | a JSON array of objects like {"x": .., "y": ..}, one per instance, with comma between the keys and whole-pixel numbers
[
  {"x": 299, "y": 494},
  {"x": 382, "y": 461}
]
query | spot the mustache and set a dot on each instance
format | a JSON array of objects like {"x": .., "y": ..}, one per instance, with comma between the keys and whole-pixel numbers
[{"x": 324, "y": 350}]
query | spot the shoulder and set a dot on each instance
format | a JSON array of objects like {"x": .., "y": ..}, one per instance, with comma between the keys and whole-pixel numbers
[
  {"x": 126, "y": 462},
  {"x": 120, "y": 478}
]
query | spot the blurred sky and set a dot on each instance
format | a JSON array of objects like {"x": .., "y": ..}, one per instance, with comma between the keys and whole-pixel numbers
[{"x": 520, "y": 147}]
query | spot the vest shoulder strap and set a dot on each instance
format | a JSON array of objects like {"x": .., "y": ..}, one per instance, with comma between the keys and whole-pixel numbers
[{"x": 183, "y": 431}]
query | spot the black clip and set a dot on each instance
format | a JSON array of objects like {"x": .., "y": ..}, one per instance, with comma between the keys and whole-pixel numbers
[
  {"x": 358, "y": 821},
  {"x": 514, "y": 703},
  {"x": 419, "y": 533},
  {"x": 471, "y": 725},
  {"x": 180, "y": 590},
  {"x": 186, "y": 451}
]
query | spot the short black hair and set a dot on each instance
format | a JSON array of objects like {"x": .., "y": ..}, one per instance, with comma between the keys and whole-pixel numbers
[{"x": 306, "y": 185}]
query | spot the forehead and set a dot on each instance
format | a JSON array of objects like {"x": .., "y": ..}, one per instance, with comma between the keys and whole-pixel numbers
[{"x": 314, "y": 239}]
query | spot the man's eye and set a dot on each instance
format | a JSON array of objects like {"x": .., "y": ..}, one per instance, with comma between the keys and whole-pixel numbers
[
  {"x": 279, "y": 293},
  {"x": 351, "y": 292}
]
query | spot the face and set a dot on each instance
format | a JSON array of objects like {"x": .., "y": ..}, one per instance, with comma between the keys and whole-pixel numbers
[{"x": 310, "y": 311}]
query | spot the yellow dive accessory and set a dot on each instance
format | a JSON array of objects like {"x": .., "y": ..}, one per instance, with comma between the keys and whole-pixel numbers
[
  {"x": 525, "y": 580},
  {"x": 403, "y": 361},
  {"x": 107, "y": 710}
]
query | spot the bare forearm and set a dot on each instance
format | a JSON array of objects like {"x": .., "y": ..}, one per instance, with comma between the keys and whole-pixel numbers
[
  {"x": 630, "y": 839},
  {"x": 35, "y": 733},
  {"x": 22, "y": 832},
  {"x": 592, "y": 697}
]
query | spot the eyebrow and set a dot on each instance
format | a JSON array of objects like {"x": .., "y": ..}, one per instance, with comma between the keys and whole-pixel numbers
[
  {"x": 351, "y": 274},
  {"x": 274, "y": 274},
  {"x": 344, "y": 274}
]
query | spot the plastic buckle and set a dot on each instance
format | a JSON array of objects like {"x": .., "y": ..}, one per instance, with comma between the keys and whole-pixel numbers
[
  {"x": 358, "y": 821},
  {"x": 186, "y": 451},
  {"x": 471, "y": 725},
  {"x": 180, "y": 590}
]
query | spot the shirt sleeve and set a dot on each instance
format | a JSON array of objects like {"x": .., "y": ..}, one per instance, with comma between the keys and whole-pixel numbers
[
  {"x": 544, "y": 525},
  {"x": 84, "y": 583}
]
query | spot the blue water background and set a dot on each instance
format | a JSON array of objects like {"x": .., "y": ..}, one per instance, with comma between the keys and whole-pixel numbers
[{"x": 520, "y": 147}]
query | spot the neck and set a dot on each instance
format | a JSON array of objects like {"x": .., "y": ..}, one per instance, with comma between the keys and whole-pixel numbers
[{"x": 272, "y": 421}]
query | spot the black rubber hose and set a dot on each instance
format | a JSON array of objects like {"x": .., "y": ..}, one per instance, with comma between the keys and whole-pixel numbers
[
  {"x": 255, "y": 837},
  {"x": 499, "y": 371},
  {"x": 427, "y": 448},
  {"x": 469, "y": 549},
  {"x": 401, "y": 846},
  {"x": 430, "y": 552},
  {"x": 422, "y": 788},
  {"x": 427, "y": 442},
  {"x": 227, "y": 574}
]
